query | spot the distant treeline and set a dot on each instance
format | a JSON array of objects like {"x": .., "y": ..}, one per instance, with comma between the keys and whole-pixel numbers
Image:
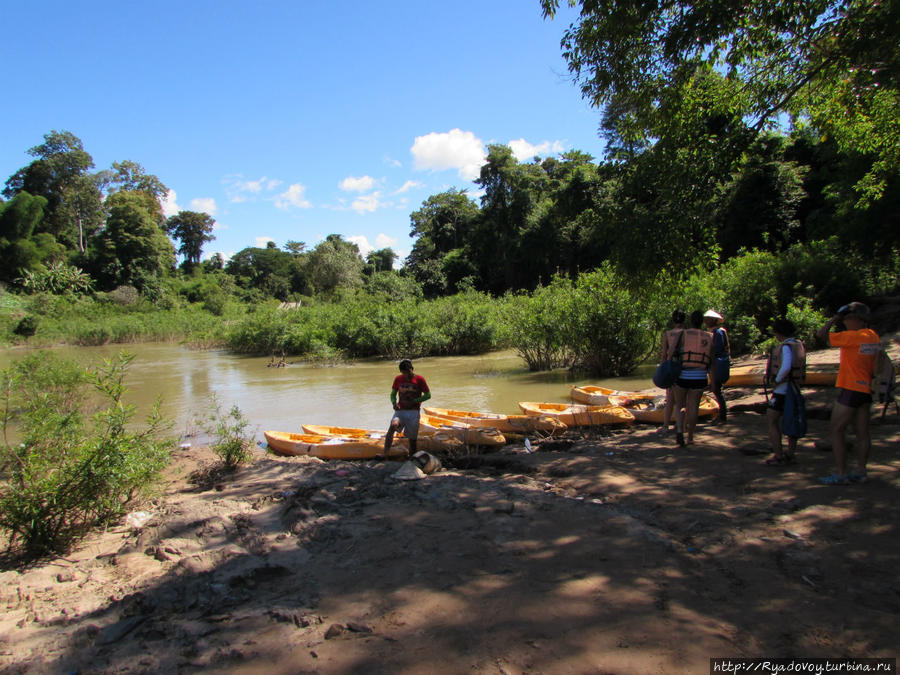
[{"x": 572, "y": 261}]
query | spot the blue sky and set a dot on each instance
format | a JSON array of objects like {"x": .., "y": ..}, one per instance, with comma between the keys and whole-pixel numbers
[{"x": 293, "y": 120}]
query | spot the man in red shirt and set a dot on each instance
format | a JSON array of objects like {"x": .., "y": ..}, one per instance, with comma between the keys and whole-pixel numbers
[
  {"x": 859, "y": 346},
  {"x": 408, "y": 393}
]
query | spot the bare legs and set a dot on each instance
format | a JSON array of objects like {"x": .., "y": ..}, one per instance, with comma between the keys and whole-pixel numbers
[
  {"x": 773, "y": 419},
  {"x": 843, "y": 416},
  {"x": 389, "y": 438},
  {"x": 687, "y": 402}
]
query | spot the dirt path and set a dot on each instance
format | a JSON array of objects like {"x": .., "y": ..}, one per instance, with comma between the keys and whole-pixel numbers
[{"x": 612, "y": 553}]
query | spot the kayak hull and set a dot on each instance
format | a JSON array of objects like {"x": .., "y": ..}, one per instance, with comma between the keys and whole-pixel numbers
[
  {"x": 651, "y": 409},
  {"x": 468, "y": 434},
  {"x": 590, "y": 394},
  {"x": 517, "y": 424},
  {"x": 579, "y": 415},
  {"x": 324, "y": 447}
]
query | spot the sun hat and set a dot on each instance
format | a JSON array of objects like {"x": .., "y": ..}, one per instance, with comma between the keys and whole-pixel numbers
[{"x": 712, "y": 314}]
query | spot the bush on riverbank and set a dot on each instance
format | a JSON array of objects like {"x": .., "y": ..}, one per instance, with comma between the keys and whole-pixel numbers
[
  {"x": 362, "y": 325},
  {"x": 71, "y": 470},
  {"x": 602, "y": 322}
]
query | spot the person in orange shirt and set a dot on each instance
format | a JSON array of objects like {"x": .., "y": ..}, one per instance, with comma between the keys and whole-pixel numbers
[{"x": 859, "y": 346}]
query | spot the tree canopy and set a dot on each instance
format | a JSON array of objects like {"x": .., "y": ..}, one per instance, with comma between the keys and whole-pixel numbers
[{"x": 834, "y": 62}]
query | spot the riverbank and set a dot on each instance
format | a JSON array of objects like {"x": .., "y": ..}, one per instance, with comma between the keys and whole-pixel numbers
[{"x": 615, "y": 552}]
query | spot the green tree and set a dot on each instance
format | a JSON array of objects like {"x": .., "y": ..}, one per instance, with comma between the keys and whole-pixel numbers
[
  {"x": 132, "y": 249},
  {"x": 381, "y": 260},
  {"x": 60, "y": 175},
  {"x": 295, "y": 247},
  {"x": 511, "y": 193},
  {"x": 193, "y": 229},
  {"x": 836, "y": 61},
  {"x": 443, "y": 224},
  {"x": 128, "y": 176},
  {"x": 759, "y": 208},
  {"x": 334, "y": 263},
  {"x": 268, "y": 270},
  {"x": 19, "y": 217}
]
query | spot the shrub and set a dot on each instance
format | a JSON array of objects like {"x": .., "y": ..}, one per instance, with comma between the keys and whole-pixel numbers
[
  {"x": 57, "y": 279},
  {"x": 610, "y": 330},
  {"x": 231, "y": 442},
  {"x": 71, "y": 471},
  {"x": 26, "y": 327},
  {"x": 535, "y": 326}
]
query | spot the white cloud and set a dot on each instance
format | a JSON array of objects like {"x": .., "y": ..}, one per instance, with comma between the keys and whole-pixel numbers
[
  {"x": 367, "y": 203},
  {"x": 385, "y": 241},
  {"x": 262, "y": 242},
  {"x": 169, "y": 207},
  {"x": 240, "y": 190},
  {"x": 391, "y": 162},
  {"x": 407, "y": 186},
  {"x": 525, "y": 151},
  {"x": 204, "y": 205},
  {"x": 361, "y": 184},
  {"x": 293, "y": 197},
  {"x": 456, "y": 149},
  {"x": 362, "y": 243}
]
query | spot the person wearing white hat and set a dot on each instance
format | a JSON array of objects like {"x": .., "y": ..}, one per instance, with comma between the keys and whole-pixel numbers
[{"x": 721, "y": 365}]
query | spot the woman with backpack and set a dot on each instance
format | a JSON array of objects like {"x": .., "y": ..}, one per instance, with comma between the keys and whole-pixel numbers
[{"x": 786, "y": 367}]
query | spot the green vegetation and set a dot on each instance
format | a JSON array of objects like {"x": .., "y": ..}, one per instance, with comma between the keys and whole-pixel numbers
[
  {"x": 751, "y": 166},
  {"x": 230, "y": 439},
  {"x": 70, "y": 470}
]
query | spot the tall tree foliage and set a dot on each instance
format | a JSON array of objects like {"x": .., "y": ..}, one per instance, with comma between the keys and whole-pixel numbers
[
  {"x": 835, "y": 61},
  {"x": 132, "y": 249},
  {"x": 193, "y": 229},
  {"x": 334, "y": 263},
  {"x": 60, "y": 174},
  {"x": 440, "y": 227}
]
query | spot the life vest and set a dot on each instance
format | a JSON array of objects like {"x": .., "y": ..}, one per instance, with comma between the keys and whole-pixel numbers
[
  {"x": 798, "y": 362},
  {"x": 673, "y": 339},
  {"x": 695, "y": 352}
]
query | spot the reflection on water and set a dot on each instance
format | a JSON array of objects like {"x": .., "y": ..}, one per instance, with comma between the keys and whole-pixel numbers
[{"x": 355, "y": 395}]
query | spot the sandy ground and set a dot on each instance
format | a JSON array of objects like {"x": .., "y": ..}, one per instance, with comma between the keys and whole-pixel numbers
[{"x": 612, "y": 552}]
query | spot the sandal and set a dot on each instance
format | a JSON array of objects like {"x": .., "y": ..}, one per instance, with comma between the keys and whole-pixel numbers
[
  {"x": 775, "y": 460},
  {"x": 856, "y": 477},
  {"x": 834, "y": 479},
  {"x": 790, "y": 458},
  {"x": 679, "y": 439}
]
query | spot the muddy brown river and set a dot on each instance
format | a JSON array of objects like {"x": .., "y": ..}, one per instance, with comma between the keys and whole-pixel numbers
[{"x": 353, "y": 395}]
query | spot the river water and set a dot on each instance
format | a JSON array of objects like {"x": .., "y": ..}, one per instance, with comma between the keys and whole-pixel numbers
[{"x": 351, "y": 395}]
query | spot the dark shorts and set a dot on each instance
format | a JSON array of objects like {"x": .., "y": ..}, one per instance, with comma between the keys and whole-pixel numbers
[
  {"x": 853, "y": 399},
  {"x": 690, "y": 384},
  {"x": 777, "y": 402}
]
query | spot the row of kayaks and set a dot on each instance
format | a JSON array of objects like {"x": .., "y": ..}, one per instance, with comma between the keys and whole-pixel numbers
[{"x": 446, "y": 430}]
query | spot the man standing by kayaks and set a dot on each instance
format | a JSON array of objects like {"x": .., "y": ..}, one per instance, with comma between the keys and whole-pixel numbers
[{"x": 408, "y": 393}]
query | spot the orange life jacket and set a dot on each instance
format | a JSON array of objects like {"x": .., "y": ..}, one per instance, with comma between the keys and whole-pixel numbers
[
  {"x": 696, "y": 349},
  {"x": 798, "y": 362}
]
